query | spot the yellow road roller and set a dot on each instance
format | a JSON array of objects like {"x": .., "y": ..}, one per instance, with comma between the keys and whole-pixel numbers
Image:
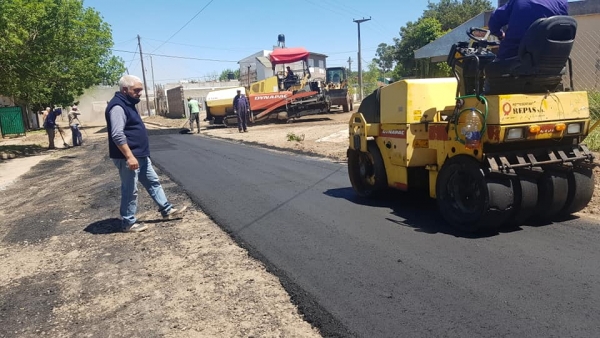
[{"x": 499, "y": 144}]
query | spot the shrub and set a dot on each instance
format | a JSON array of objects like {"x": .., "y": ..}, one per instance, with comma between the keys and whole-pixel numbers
[{"x": 293, "y": 137}]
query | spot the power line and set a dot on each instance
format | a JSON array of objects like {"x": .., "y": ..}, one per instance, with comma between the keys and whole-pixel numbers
[
  {"x": 174, "y": 56},
  {"x": 179, "y": 30},
  {"x": 329, "y": 9},
  {"x": 122, "y": 42},
  {"x": 133, "y": 59},
  {"x": 343, "y": 7},
  {"x": 206, "y": 47}
]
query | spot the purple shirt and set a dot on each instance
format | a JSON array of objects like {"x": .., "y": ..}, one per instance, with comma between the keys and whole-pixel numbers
[{"x": 519, "y": 15}]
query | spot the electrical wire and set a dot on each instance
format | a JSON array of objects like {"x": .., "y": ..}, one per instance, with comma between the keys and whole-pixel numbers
[
  {"x": 175, "y": 56},
  {"x": 187, "y": 23},
  {"x": 134, "y": 54},
  {"x": 206, "y": 47}
]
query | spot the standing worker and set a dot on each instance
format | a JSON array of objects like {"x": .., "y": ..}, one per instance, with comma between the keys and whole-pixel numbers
[
  {"x": 241, "y": 107},
  {"x": 74, "y": 125},
  {"x": 194, "y": 107},
  {"x": 129, "y": 148},
  {"x": 50, "y": 126}
]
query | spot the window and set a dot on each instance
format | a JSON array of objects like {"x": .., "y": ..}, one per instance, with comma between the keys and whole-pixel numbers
[
  {"x": 311, "y": 62},
  {"x": 321, "y": 64}
]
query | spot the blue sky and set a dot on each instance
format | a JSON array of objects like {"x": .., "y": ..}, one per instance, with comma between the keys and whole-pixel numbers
[{"x": 232, "y": 30}]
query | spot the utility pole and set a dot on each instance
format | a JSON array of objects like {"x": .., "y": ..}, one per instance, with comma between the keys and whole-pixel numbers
[
  {"x": 249, "y": 76},
  {"x": 153, "y": 86},
  {"x": 144, "y": 75},
  {"x": 360, "y": 84},
  {"x": 349, "y": 65}
]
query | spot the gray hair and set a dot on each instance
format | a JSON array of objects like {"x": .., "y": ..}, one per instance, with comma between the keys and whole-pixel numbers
[{"x": 127, "y": 81}]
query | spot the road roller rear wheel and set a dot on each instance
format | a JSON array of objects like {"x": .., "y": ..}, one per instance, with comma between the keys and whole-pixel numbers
[
  {"x": 367, "y": 171},
  {"x": 553, "y": 190},
  {"x": 526, "y": 199},
  {"x": 468, "y": 200},
  {"x": 581, "y": 189}
]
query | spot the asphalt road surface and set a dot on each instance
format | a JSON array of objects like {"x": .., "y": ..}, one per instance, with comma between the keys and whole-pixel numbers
[{"x": 388, "y": 268}]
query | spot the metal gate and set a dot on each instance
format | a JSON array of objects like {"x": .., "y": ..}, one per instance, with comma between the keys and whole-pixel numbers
[{"x": 11, "y": 121}]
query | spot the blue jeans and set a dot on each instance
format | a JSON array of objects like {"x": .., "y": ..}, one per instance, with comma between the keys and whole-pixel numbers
[
  {"x": 129, "y": 192},
  {"x": 77, "y": 139}
]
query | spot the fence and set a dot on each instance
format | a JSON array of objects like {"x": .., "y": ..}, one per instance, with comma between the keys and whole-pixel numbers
[
  {"x": 11, "y": 121},
  {"x": 586, "y": 60},
  {"x": 247, "y": 78}
]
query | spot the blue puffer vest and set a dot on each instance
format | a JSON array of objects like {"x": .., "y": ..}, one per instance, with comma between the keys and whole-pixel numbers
[{"x": 135, "y": 130}]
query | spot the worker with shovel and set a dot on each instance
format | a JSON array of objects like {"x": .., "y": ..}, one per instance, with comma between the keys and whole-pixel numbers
[{"x": 50, "y": 126}]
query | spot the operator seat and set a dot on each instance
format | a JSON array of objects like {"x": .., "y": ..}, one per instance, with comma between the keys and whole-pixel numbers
[{"x": 540, "y": 63}]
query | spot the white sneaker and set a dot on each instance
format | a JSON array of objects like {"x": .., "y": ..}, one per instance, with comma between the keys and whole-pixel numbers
[
  {"x": 175, "y": 212},
  {"x": 137, "y": 227}
]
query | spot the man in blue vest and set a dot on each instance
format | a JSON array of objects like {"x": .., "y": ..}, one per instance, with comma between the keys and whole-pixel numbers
[
  {"x": 519, "y": 15},
  {"x": 129, "y": 149}
]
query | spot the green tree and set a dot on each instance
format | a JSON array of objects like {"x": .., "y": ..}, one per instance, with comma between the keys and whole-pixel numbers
[
  {"x": 225, "y": 74},
  {"x": 370, "y": 78},
  {"x": 453, "y": 13},
  {"x": 52, "y": 50},
  {"x": 384, "y": 58},
  {"x": 412, "y": 37}
]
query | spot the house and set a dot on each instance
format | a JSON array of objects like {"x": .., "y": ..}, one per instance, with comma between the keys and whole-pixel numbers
[
  {"x": 257, "y": 66},
  {"x": 585, "y": 53}
]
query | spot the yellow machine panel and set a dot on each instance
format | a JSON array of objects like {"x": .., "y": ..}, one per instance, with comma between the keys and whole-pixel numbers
[
  {"x": 268, "y": 85},
  {"x": 220, "y": 101},
  {"x": 416, "y": 100},
  {"x": 523, "y": 108}
]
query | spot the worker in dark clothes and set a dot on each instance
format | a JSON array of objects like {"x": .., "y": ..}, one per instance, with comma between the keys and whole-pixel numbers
[
  {"x": 519, "y": 15},
  {"x": 241, "y": 107},
  {"x": 50, "y": 126},
  {"x": 289, "y": 78}
]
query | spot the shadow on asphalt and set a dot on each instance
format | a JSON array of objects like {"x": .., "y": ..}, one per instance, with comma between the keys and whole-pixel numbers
[{"x": 417, "y": 210}]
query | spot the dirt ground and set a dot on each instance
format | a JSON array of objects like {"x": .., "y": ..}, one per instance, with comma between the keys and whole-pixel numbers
[{"x": 65, "y": 271}]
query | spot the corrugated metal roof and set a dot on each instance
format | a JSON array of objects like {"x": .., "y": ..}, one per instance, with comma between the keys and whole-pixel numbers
[{"x": 441, "y": 46}]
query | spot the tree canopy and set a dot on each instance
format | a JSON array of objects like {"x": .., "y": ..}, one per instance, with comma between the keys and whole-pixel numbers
[
  {"x": 437, "y": 19},
  {"x": 52, "y": 50},
  {"x": 225, "y": 74},
  {"x": 452, "y": 13}
]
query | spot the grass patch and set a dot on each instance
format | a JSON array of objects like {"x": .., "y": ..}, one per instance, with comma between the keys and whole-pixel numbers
[
  {"x": 594, "y": 101},
  {"x": 593, "y": 138},
  {"x": 293, "y": 137}
]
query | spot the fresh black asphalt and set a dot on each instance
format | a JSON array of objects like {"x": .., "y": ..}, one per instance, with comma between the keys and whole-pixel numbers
[{"x": 389, "y": 267}]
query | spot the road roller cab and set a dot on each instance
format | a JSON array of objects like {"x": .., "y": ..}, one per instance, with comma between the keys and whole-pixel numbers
[{"x": 490, "y": 160}]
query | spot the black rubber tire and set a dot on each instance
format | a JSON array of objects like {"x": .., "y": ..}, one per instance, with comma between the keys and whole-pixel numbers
[
  {"x": 351, "y": 105},
  {"x": 367, "y": 171},
  {"x": 346, "y": 107},
  {"x": 553, "y": 191},
  {"x": 526, "y": 199},
  {"x": 581, "y": 189},
  {"x": 468, "y": 200}
]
